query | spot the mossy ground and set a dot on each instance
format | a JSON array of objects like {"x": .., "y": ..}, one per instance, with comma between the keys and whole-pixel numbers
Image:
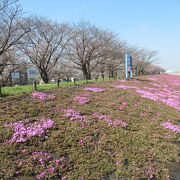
[{"x": 108, "y": 152}]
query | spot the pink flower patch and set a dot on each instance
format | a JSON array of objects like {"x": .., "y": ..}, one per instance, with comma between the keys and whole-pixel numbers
[
  {"x": 109, "y": 121},
  {"x": 161, "y": 96},
  {"x": 81, "y": 99},
  {"x": 123, "y": 106},
  {"x": 94, "y": 89},
  {"x": 170, "y": 126},
  {"x": 41, "y": 175},
  {"x": 50, "y": 165},
  {"x": 122, "y": 80},
  {"x": 74, "y": 116},
  {"x": 24, "y": 132},
  {"x": 125, "y": 87},
  {"x": 148, "y": 95},
  {"x": 42, "y": 96},
  {"x": 161, "y": 90},
  {"x": 81, "y": 142}
]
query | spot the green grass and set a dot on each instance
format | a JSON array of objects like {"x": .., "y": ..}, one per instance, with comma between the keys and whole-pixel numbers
[
  {"x": 19, "y": 90},
  {"x": 6, "y": 91}
]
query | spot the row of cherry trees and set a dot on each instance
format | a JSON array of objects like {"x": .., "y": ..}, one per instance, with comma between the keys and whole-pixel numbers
[{"x": 59, "y": 50}]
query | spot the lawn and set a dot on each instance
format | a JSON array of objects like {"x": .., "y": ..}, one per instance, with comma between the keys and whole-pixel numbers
[
  {"x": 19, "y": 90},
  {"x": 109, "y": 130}
]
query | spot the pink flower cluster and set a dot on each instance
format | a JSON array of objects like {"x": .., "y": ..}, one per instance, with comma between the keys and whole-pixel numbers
[
  {"x": 147, "y": 95},
  {"x": 150, "y": 171},
  {"x": 24, "y": 132},
  {"x": 81, "y": 99},
  {"x": 109, "y": 121},
  {"x": 162, "y": 96},
  {"x": 125, "y": 87},
  {"x": 122, "y": 80},
  {"x": 50, "y": 165},
  {"x": 42, "y": 96},
  {"x": 74, "y": 116},
  {"x": 162, "y": 89},
  {"x": 94, "y": 89},
  {"x": 172, "y": 127},
  {"x": 172, "y": 79},
  {"x": 123, "y": 106},
  {"x": 152, "y": 79}
]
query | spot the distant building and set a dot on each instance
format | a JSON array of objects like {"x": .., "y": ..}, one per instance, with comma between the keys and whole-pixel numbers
[
  {"x": 23, "y": 76},
  {"x": 32, "y": 74},
  {"x": 169, "y": 71}
]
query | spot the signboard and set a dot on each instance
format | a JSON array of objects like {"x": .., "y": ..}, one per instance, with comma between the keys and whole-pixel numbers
[
  {"x": 15, "y": 75},
  {"x": 32, "y": 73},
  {"x": 128, "y": 66}
]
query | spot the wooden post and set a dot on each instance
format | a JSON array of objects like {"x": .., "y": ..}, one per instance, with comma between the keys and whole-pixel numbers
[
  {"x": 10, "y": 79},
  {"x": 103, "y": 76},
  {"x": 58, "y": 81},
  {"x": 136, "y": 70},
  {"x": 0, "y": 90},
  {"x": 34, "y": 86}
]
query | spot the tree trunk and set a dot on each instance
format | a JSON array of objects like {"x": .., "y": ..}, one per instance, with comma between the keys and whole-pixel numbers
[
  {"x": 88, "y": 71},
  {"x": 85, "y": 72},
  {"x": 103, "y": 77},
  {"x": 102, "y": 73},
  {"x": 44, "y": 76},
  {"x": 0, "y": 90},
  {"x": 89, "y": 75}
]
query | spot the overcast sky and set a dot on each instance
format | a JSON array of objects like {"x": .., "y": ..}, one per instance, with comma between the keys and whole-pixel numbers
[{"x": 154, "y": 24}]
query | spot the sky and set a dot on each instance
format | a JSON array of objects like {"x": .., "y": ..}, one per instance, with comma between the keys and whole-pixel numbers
[{"x": 152, "y": 24}]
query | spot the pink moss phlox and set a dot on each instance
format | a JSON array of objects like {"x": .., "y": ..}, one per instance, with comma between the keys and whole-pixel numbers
[
  {"x": 74, "y": 116},
  {"x": 81, "y": 99},
  {"x": 122, "y": 80},
  {"x": 150, "y": 171},
  {"x": 42, "y": 96},
  {"x": 119, "y": 163},
  {"x": 161, "y": 90},
  {"x": 125, "y": 87},
  {"x": 40, "y": 153},
  {"x": 172, "y": 102},
  {"x": 161, "y": 96},
  {"x": 150, "y": 89},
  {"x": 155, "y": 84},
  {"x": 147, "y": 95},
  {"x": 94, "y": 89},
  {"x": 81, "y": 178},
  {"x": 109, "y": 121},
  {"x": 57, "y": 162},
  {"x": 51, "y": 165},
  {"x": 81, "y": 142},
  {"x": 170, "y": 126},
  {"x": 64, "y": 178},
  {"x": 121, "y": 87},
  {"x": 123, "y": 106},
  {"x": 119, "y": 123},
  {"x": 24, "y": 132},
  {"x": 152, "y": 79},
  {"x": 42, "y": 175},
  {"x": 51, "y": 170}
]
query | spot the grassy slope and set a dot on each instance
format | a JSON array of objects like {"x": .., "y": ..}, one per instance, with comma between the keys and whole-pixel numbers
[{"x": 108, "y": 152}]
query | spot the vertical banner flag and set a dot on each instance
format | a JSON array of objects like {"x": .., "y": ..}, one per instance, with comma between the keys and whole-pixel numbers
[{"x": 128, "y": 66}]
